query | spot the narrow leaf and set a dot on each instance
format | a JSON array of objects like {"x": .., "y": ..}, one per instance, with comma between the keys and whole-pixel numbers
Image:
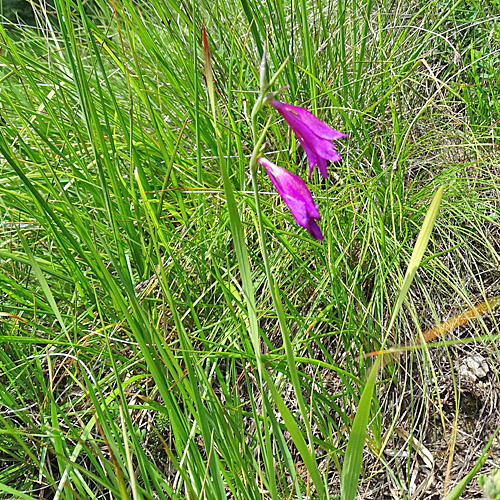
[{"x": 354, "y": 453}]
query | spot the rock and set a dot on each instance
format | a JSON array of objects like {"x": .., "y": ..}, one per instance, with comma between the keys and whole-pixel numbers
[{"x": 474, "y": 367}]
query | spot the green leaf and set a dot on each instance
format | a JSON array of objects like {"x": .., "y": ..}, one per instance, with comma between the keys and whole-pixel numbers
[{"x": 354, "y": 453}]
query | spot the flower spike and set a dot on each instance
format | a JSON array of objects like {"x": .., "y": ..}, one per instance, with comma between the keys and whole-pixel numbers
[
  {"x": 296, "y": 195},
  {"x": 314, "y": 135}
]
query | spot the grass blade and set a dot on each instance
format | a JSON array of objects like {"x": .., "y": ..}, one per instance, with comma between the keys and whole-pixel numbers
[{"x": 354, "y": 453}]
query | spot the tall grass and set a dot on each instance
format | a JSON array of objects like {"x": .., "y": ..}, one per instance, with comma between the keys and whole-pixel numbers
[{"x": 142, "y": 355}]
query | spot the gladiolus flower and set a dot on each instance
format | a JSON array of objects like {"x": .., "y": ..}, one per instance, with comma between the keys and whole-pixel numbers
[
  {"x": 295, "y": 194},
  {"x": 314, "y": 135}
]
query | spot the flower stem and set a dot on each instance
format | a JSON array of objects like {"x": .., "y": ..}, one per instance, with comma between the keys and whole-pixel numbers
[
  {"x": 273, "y": 288},
  {"x": 255, "y": 185}
]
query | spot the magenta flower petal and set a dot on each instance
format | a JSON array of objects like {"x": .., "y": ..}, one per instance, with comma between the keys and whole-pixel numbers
[
  {"x": 322, "y": 168},
  {"x": 295, "y": 194},
  {"x": 314, "y": 135}
]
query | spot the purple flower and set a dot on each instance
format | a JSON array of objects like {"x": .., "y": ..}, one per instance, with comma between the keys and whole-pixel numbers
[
  {"x": 295, "y": 194},
  {"x": 314, "y": 135}
]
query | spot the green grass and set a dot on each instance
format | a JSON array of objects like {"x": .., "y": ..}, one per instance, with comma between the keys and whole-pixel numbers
[{"x": 149, "y": 350}]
